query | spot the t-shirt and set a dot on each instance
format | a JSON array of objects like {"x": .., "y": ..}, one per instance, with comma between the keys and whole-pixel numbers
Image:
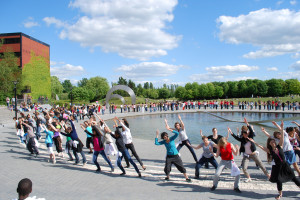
[
  {"x": 248, "y": 148},
  {"x": 89, "y": 129},
  {"x": 206, "y": 151},
  {"x": 286, "y": 143},
  {"x": 182, "y": 135}
]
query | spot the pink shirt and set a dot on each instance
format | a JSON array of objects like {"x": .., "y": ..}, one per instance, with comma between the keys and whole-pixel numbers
[{"x": 96, "y": 144}]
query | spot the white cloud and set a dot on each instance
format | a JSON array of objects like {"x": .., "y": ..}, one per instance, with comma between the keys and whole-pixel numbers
[
  {"x": 294, "y": 2},
  {"x": 29, "y": 23},
  {"x": 272, "y": 69},
  {"x": 133, "y": 29},
  {"x": 289, "y": 75},
  {"x": 146, "y": 70},
  {"x": 231, "y": 69},
  {"x": 65, "y": 71},
  {"x": 275, "y": 32},
  {"x": 296, "y": 66},
  {"x": 52, "y": 20}
]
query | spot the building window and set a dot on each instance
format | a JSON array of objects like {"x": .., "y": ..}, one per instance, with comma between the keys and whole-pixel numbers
[{"x": 11, "y": 40}]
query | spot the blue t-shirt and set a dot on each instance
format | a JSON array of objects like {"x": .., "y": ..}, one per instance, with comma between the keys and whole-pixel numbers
[
  {"x": 89, "y": 129},
  {"x": 171, "y": 147}
]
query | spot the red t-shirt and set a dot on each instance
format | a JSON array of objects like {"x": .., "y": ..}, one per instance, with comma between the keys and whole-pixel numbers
[{"x": 226, "y": 154}]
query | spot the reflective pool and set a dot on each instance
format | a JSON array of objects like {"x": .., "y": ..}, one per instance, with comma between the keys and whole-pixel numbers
[{"x": 144, "y": 127}]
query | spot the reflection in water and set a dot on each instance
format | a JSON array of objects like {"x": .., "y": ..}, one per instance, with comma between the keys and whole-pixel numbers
[{"x": 144, "y": 127}]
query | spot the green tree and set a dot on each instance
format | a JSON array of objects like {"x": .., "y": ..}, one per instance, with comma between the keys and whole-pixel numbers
[
  {"x": 163, "y": 93},
  {"x": 242, "y": 89},
  {"x": 180, "y": 92},
  {"x": 56, "y": 86},
  {"x": 189, "y": 94},
  {"x": 151, "y": 86},
  {"x": 219, "y": 91},
  {"x": 195, "y": 88},
  {"x": 211, "y": 90},
  {"x": 233, "y": 90},
  {"x": 82, "y": 82},
  {"x": 146, "y": 85},
  {"x": 275, "y": 87},
  {"x": 99, "y": 87},
  {"x": 153, "y": 94},
  {"x": 80, "y": 93},
  {"x": 122, "y": 81},
  {"x": 262, "y": 88},
  {"x": 293, "y": 86},
  {"x": 203, "y": 91},
  {"x": 67, "y": 85}
]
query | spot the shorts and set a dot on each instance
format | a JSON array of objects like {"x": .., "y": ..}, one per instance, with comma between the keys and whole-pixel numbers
[
  {"x": 50, "y": 148},
  {"x": 89, "y": 140},
  {"x": 290, "y": 157}
]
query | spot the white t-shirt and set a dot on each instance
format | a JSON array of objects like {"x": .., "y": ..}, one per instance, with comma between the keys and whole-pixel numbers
[{"x": 182, "y": 135}]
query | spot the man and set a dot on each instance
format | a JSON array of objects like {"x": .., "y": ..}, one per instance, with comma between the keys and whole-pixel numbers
[{"x": 24, "y": 189}]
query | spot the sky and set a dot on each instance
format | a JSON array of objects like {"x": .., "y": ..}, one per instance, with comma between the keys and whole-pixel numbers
[{"x": 163, "y": 41}]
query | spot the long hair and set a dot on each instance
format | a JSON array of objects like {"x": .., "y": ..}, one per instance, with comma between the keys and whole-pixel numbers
[
  {"x": 269, "y": 156},
  {"x": 126, "y": 122},
  {"x": 222, "y": 142}
]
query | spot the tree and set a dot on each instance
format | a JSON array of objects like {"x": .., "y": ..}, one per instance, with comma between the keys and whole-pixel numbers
[
  {"x": 225, "y": 87},
  {"x": 122, "y": 81},
  {"x": 275, "y": 87},
  {"x": 242, "y": 89},
  {"x": 164, "y": 93},
  {"x": 293, "y": 86},
  {"x": 195, "y": 89},
  {"x": 80, "y": 93},
  {"x": 146, "y": 85},
  {"x": 153, "y": 94},
  {"x": 67, "y": 85},
  {"x": 82, "y": 82},
  {"x": 218, "y": 91},
  {"x": 151, "y": 86},
  {"x": 233, "y": 90},
  {"x": 180, "y": 92},
  {"x": 56, "y": 86},
  {"x": 203, "y": 91},
  {"x": 99, "y": 86},
  {"x": 262, "y": 88},
  {"x": 211, "y": 90}
]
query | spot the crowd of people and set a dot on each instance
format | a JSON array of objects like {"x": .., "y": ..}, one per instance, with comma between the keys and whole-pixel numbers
[{"x": 58, "y": 122}]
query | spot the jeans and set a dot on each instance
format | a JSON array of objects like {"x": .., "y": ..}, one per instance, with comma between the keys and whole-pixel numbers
[
  {"x": 77, "y": 158},
  {"x": 125, "y": 153},
  {"x": 131, "y": 147},
  {"x": 189, "y": 147},
  {"x": 222, "y": 165},
  {"x": 102, "y": 153},
  {"x": 38, "y": 132},
  {"x": 203, "y": 160}
]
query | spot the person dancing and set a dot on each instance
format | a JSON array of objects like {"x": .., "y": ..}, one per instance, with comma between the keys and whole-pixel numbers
[
  {"x": 226, "y": 149},
  {"x": 281, "y": 171},
  {"x": 172, "y": 153}
]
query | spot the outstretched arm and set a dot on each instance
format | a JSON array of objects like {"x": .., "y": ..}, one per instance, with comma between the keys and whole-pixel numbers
[
  {"x": 201, "y": 133},
  {"x": 296, "y": 123},
  {"x": 282, "y": 134},
  {"x": 167, "y": 125},
  {"x": 262, "y": 147},
  {"x": 275, "y": 124},
  {"x": 235, "y": 149},
  {"x": 156, "y": 139},
  {"x": 265, "y": 132}
]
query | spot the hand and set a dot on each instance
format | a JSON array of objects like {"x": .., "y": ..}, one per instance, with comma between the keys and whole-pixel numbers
[
  {"x": 237, "y": 147},
  {"x": 245, "y": 120},
  {"x": 201, "y": 132},
  {"x": 179, "y": 117},
  {"x": 250, "y": 139},
  {"x": 157, "y": 133},
  {"x": 262, "y": 129},
  {"x": 229, "y": 130},
  {"x": 282, "y": 124}
]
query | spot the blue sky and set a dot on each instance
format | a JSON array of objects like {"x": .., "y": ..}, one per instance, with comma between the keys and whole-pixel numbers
[{"x": 169, "y": 41}]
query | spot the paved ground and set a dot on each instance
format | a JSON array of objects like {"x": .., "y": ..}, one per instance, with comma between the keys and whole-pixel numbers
[{"x": 66, "y": 181}]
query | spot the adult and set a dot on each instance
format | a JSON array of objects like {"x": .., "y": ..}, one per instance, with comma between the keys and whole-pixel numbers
[
  {"x": 31, "y": 144},
  {"x": 7, "y": 102},
  {"x": 281, "y": 170},
  {"x": 123, "y": 152},
  {"x": 226, "y": 149},
  {"x": 183, "y": 138},
  {"x": 172, "y": 152},
  {"x": 87, "y": 128},
  {"x": 126, "y": 133},
  {"x": 24, "y": 189},
  {"x": 248, "y": 149},
  {"x": 207, "y": 155}
]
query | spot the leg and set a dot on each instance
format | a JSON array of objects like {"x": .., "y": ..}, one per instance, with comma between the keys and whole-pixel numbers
[
  {"x": 213, "y": 161},
  {"x": 131, "y": 161},
  {"x": 83, "y": 157},
  {"x": 95, "y": 156},
  {"x": 119, "y": 163},
  {"x": 245, "y": 163},
  {"x": 131, "y": 147},
  {"x": 126, "y": 159},
  {"x": 179, "y": 146},
  {"x": 198, "y": 166},
  {"x": 296, "y": 167},
  {"x": 75, "y": 155},
  {"x": 191, "y": 150},
  {"x": 260, "y": 164},
  {"x": 218, "y": 173},
  {"x": 106, "y": 159},
  {"x": 168, "y": 165}
]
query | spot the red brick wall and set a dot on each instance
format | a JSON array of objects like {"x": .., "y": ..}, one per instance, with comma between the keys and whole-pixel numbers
[{"x": 10, "y": 47}]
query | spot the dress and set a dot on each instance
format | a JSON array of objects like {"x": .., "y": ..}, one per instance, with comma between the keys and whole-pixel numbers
[{"x": 281, "y": 171}]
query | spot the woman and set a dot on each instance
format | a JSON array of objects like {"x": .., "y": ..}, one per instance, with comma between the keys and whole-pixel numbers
[
  {"x": 183, "y": 138},
  {"x": 128, "y": 141},
  {"x": 281, "y": 171},
  {"x": 207, "y": 156},
  {"x": 225, "y": 149},
  {"x": 98, "y": 146},
  {"x": 172, "y": 152},
  {"x": 123, "y": 152},
  {"x": 248, "y": 149},
  {"x": 57, "y": 138}
]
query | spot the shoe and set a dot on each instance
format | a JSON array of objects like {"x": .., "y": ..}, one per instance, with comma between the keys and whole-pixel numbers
[
  {"x": 140, "y": 175},
  {"x": 278, "y": 196},
  {"x": 112, "y": 169},
  {"x": 122, "y": 174},
  {"x": 237, "y": 190},
  {"x": 213, "y": 188},
  {"x": 196, "y": 177},
  {"x": 127, "y": 166},
  {"x": 98, "y": 170},
  {"x": 248, "y": 180},
  {"x": 188, "y": 180},
  {"x": 90, "y": 152},
  {"x": 84, "y": 164},
  {"x": 167, "y": 179},
  {"x": 54, "y": 161},
  {"x": 144, "y": 168},
  {"x": 36, "y": 155},
  {"x": 70, "y": 159},
  {"x": 76, "y": 163}
]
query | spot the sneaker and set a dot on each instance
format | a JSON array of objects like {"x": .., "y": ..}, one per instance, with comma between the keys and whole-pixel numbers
[
  {"x": 98, "y": 170},
  {"x": 237, "y": 190},
  {"x": 248, "y": 180},
  {"x": 140, "y": 175},
  {"x": 84, "y": 164},
  {"x": 188, "y": 180},
  {"x": 127, "y": 166},
  {"x": 54, "y": 161},
  {"x": 167, "y": 179},
  {"x": 90, "y": 152},
  {"x": 196, "y": 177},
  {"x": 144, "y": 168},
  {"x": 76, "y": 163},
  {"x": 213, "y": 188},
  {"x": 112, "y": 169},
  {"x": 122, "y": 174}
]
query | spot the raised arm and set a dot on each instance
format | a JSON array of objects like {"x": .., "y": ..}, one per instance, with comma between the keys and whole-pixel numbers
[
  {"x": 296, "y": 123},
  {"x": 55, "y": 129},
  {"x": 181, "y": 122},
  {"x": 235, "y": 149},
  {"x": 275, "y": 124},
  {"x": 167, "y": 125},
  {"x": 265, "y": 132},
  {"x": 156, "y": 139},
  {"x": 228, "y": 132},
  {"x": 201, "y": 133},
  {"x": 233, "y": 135},
  {"x": 282, "y": 134}
]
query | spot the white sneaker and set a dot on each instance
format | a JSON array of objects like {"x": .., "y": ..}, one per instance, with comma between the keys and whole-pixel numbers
[{"x": 248, "y": 180}]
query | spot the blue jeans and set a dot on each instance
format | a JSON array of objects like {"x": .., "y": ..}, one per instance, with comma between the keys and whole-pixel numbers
[
  {"x": 38, "y": 132},
  {"x": 77, "y": 158},
  {"x": 125, "y": 153},
  {"x": 102, "y": 153},
  {"x": 203, "y": 160}
]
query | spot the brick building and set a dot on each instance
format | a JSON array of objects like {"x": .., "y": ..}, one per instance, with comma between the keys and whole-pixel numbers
[{"x": 30, "y": 52}]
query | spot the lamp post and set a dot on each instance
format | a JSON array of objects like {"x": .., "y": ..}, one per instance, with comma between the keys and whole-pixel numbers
[{"x": 15, "y": 88}]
